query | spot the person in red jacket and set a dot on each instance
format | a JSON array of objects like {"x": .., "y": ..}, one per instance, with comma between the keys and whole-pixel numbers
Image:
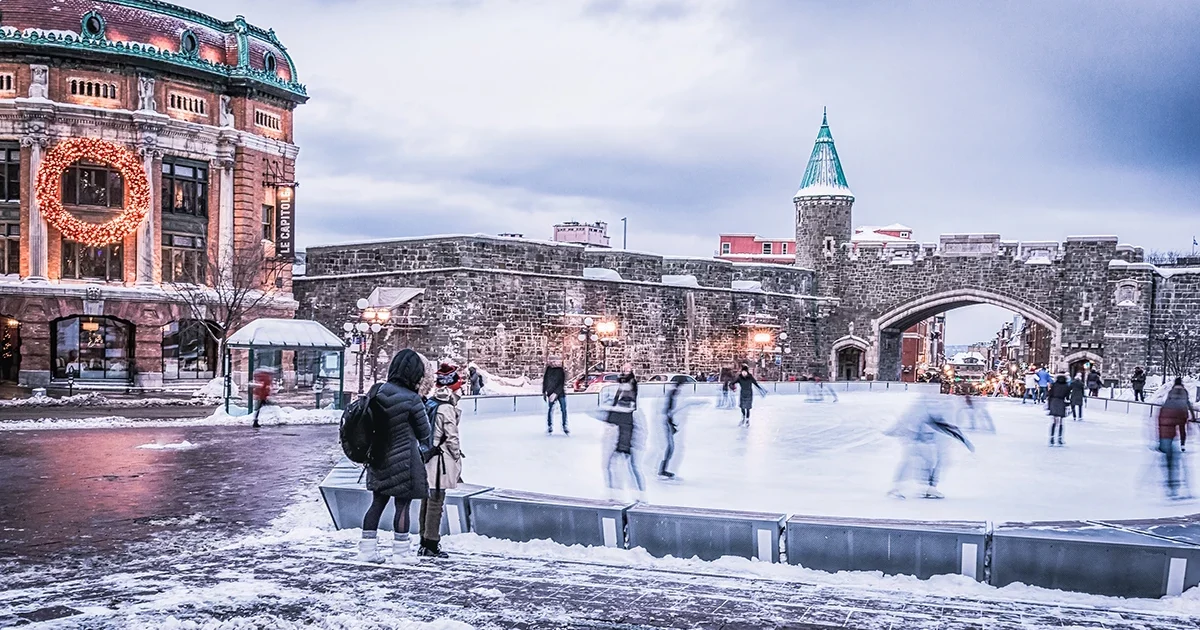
[
  {"x": 263, "y": 382},
  {"x": 1172, "y": 421}
]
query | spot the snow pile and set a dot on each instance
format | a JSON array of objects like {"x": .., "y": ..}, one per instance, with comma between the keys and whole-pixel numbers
[
  {"x": 330, "y": 622},
  {"x": 179, "y": 446},
  {"x": 271, "y": 416},
  {"x": 212, "y": 390},
  {"x": 95, "y": 399},
  {"x": 182, "y": 521},
  {"x": 505, "y": 386}
]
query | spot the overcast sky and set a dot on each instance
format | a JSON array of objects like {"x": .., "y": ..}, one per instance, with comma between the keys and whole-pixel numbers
[{"x": 1036, "y": 119}]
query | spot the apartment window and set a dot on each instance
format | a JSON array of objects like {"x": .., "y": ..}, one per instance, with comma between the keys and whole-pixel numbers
[
  {"x": 89, "y": 262},
  {"x": 725, "y": 248},
  {"x": 94, "y": 89},
  {"x": 187, "y": 103},
  {"x": 783, "y": 248},
  {"x": 10, "y": 248},
  {"x": 766, "y": 248},
  {"x": 86, "y": 184},
  {"x": 268, "y": 222},
  {"x": 10, "y": 176},
  {"x": 184, "y": 259},
  {"x": 7, "y": 82},
  {"x": 267, "y": 120},
  {"x": 184, "y": 187}
]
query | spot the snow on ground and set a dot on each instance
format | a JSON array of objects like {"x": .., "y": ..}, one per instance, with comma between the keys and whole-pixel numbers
[
  {"x": 833, "y": 459},
  {"x": 502, "y": 385},
  {"x": 271, "y": 416},
  {"x": 94, "y": 399},
  {"x": 177, "y": 446}
]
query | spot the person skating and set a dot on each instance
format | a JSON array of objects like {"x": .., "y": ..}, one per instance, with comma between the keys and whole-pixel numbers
[
  {"x": 263, "y": 382},
  {"x": 1044, "y": 380},
  {"x": 1138, "y": 380},
  {"x": 1031, "y": 388},
  {"x": 620, "y": 414},
  {"x": 744, "y": 382},
  {"x": 554, "y": 390},
  {"x": 444, "y": 467},
  {"x": 671, "y": 411},
  {"x": 726, "y": 378},
  {"x": 922, "y": 427},
  {"x": 1056, "y": 401},
  {"x": 476, "y": 380},
  {"x": 1077, "y": 384},
  {"x": 1094, "y": 383},
  {"x": 1176, "y": 411},
  {"x": 395, "y": 470}
]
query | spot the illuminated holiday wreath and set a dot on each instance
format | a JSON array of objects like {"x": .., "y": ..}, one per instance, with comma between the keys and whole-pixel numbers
[{"x": 49, "y": 190}]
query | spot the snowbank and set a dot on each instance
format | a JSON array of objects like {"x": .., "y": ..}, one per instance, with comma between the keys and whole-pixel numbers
[
  {"x": 94, "y": 399},
  {"x": 506, "y": 386},
  {"x": 271, "y": 416},
  {"x": 212, "y": 390}
]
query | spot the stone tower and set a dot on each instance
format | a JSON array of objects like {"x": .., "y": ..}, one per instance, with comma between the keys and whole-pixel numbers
[{"x": 823, "y": 204}]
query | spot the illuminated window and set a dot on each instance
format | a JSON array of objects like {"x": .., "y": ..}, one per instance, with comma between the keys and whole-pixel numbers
[
  {"x": 184, "y": 186},
  {"x": 90, "y": 262},
  {"x": 88, "y": 184}
]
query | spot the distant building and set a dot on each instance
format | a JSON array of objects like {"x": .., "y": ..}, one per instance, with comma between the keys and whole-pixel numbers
[
  {"x": 591, "y": 234},
  {"x": 923, "y": 349},
  {"x": 885, "y": 234},
  {"x": 754, "y": 248},
  {"x": 969, "y": 366}
]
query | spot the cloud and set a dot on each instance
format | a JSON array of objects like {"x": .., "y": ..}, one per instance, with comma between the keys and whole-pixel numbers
[{"x": 1036, "y": 120}]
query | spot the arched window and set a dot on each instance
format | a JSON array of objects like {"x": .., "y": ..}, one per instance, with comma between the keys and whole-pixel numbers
[{"x": 92, "y": 348}]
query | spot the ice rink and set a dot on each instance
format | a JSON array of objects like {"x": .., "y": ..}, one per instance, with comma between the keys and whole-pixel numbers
[{"x": 834, "y": 459}]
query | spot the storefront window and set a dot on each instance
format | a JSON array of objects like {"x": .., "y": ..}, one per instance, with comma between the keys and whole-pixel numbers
[
  {"x": 88, "y": 347},
  {"x": 189, "y": 350}
]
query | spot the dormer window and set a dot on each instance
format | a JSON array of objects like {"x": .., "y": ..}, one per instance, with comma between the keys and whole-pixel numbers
[
  {"x": 92, "y": 25},
  {"x": 188, "y": 43},
  {"x": 269, "y": 63}
]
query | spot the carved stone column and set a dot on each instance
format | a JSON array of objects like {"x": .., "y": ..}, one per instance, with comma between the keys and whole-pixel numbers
[
  {"x": 226, "y": 152},
  {"x": 39, "y": 246},
  {"x": 149, "y": 125}
]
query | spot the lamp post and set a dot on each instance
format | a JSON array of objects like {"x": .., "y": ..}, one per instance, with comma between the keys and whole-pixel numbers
[
  {"x": 587, "y": 335},
  {"x": 762, "y": 340},
  {"x": 607, "y": 332},
  {"x": 370, "y": 320}
]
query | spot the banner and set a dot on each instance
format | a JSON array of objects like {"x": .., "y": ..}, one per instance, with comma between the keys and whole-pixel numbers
[{"x": 285, "y": 221}]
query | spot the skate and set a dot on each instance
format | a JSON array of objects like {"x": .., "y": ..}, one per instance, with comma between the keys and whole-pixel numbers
[
  {"x": 1060, "y": 441},
  {"x": 667, "y": 476},
  {"x": 566, "y": 432},
  {"x": 549, "y": 430},
  {"x": 896, "y": 494},
  {"x": 932, "y": 493}
]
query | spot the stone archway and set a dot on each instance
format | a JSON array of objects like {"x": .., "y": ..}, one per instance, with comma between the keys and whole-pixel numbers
[
  {"x": 1074, "y": 361},
  {"x": 884, "y": 356},
  {"x": 841, "y": 352}
]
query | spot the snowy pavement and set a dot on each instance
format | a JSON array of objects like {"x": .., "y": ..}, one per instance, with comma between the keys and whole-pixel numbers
[
  {"x": 834, "y": 459},
  {"x": 222, "y": 527}
]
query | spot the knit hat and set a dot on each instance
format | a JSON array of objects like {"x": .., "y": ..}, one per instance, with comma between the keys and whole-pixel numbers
[{"x": 447, "y": 376}]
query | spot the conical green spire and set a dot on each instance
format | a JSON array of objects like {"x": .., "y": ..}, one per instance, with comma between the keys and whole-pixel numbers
[{"x": 824, "y": 176}]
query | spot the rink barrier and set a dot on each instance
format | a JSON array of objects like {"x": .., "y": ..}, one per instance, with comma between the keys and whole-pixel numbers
[
  {"x": 347, "y": 498},
  {"x": 893, "y": 547},
  {"x": 584, "y": 402},
  {"x": 1093, "y": 558},
  {"x": 526, "y": 516},
  {"x": 706, "y": 534}
]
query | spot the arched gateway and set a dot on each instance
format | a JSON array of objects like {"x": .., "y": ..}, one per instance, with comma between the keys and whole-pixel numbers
[{"x": 1090, "y": 293}]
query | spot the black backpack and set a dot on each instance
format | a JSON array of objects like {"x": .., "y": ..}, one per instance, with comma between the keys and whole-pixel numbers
[{"x": 358, "y": 429}]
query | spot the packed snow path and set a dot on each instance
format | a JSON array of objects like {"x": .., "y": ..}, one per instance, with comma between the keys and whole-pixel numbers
[{"x": 834, "y": 459}]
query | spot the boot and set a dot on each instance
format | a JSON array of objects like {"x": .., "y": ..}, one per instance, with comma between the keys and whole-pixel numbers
[
  {"x": 401, "y": 550},
  {"x": 431, "y": 549},
  {"x": 368, "y": 550}
]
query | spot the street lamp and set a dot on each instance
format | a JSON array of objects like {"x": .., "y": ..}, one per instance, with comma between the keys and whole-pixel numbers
[
  {"x": 587, "y": 335},
  {"x": 370, "y": 320}
]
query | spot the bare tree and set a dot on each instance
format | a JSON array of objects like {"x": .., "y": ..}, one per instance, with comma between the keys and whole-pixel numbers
[
  {"x": 1157, "y": 257},
  {"x": 242, "y": 286},
  {"x": 1180, "y": 353}
]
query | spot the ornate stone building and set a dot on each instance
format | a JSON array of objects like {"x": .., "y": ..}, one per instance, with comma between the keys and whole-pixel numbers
[
  {"x": 143, "y": 146},
  {"x": 843, "y": 304}
]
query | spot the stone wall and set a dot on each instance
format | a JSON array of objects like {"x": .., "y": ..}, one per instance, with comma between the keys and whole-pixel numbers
[
  {"x": 478, "y": 251},
  {"x": 631, "y": 265},
  {"x": 709, "y": 272}
]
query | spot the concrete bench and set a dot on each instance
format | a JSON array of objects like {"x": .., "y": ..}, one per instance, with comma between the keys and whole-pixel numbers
[
  {"x": 706, "y": 534},
  {"x": 525, "y": 516},
  {"x": 921, "y": 549},
  {"x": 1093, "y": 558},
  {"x": 348, "y": 499}
]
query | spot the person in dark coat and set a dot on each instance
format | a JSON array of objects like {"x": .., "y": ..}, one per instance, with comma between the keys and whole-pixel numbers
[
  {"x": 1056, "y": 400},
  {"x": 1094, "y": 383},
  {"x": 396, "y": 470},
  {"x": 1138, "y": 380},
  {"x": 1176, "y": 411},
  {"x": 621, "y": 414},
  {"x": 554, "y": 389},
  {"x": 1077, "y": 397},
  {"x": 476, "y": 380},
  {"x": 745, "y": 381}
]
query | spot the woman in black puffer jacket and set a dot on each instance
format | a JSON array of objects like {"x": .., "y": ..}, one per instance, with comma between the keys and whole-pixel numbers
[{"x": 396, "y": 470}]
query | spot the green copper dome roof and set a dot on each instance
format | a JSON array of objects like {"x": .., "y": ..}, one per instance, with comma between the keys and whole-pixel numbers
[{"x": 824, "y": 176}]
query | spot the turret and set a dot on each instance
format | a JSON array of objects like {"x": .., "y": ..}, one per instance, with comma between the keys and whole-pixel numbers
[{"x": 823, "y": 205}]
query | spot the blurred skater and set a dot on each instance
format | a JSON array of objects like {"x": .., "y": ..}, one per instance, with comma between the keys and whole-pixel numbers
[
  {"x": 672, "y": 414},
  {"x": 745, "y": 380},
  {"x": 1176, "y": 412},
  {"x": 1077, "y": 397},
  {"x": 263, "y": 382},
  {"x": 1031, "y": 388},
  {"x": 475, "y": 379},
  {"x": 978, "y": 418},
  {"x": 922, "y": 428},
  {"x": 1138, "y": 380},
  {"x": 1056, "y": 400},
  {"x": 1094, "y": 383},
  {"x": 554, "y": 390},
  {"x": 1044, "y": 380},
  {"x": 726, "y": 401},
  {"x": 620, "y": 414}
]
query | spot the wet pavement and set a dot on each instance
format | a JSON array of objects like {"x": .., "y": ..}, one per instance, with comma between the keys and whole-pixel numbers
[{"x": 98, "y": 533}]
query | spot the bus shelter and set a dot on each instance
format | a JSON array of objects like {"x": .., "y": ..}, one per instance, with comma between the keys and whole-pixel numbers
[{"x": 317, "y": 357}]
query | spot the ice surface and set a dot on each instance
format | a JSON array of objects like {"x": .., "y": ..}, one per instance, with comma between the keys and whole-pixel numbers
[
  {"x": 176, "y": 446},
  {"x": 834, "y": 460}
]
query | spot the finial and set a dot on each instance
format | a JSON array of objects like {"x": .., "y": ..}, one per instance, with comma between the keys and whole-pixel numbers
[{"x": 824, "y": 115}]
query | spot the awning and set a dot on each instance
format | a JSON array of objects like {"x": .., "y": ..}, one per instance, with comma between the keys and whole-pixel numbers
[
  {"x": 392, "y": 298},
  {"x": 285, "y": 334}
]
